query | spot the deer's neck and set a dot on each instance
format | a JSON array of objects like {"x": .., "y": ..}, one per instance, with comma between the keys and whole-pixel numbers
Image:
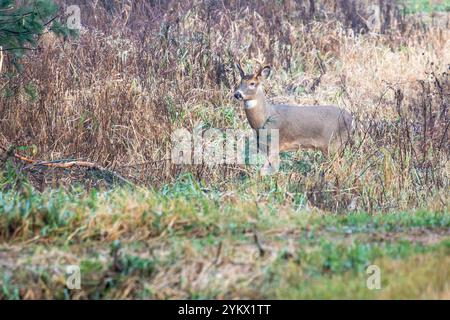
[{"x": 256, "y": 110}]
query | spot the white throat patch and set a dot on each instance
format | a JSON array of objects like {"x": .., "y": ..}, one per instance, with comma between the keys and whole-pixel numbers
[{"x": 250, "y": 104}]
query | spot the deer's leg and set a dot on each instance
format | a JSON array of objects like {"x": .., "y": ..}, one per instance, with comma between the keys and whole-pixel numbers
[
  {"x": 324, "y": 151},
  {"x": 265, "y": 169},
  {"x": 270, "y": 166}
]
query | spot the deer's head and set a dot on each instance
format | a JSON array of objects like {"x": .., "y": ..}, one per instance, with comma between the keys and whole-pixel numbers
[{"x": 250, "y": 83}]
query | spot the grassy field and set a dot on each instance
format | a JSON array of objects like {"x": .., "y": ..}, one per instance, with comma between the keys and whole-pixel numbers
[
  {"x": 194, "y": 244},
  {"x": 114, "y": 96}
]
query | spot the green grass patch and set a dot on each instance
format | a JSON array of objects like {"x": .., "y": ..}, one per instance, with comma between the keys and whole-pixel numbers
[{"x": 428, "y": 6}]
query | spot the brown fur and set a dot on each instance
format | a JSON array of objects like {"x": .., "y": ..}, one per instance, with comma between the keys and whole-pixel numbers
[{"x": 311, "y": 127}]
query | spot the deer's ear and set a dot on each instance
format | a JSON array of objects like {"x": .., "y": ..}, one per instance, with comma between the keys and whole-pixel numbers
[{"x": 265, "y": 72}]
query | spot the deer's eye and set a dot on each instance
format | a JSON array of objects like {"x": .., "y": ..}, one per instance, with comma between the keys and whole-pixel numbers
[{"x": 252, "y": 84}]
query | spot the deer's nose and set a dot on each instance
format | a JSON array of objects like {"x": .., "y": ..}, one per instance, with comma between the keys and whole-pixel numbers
[{"x": 238, "y": 95}]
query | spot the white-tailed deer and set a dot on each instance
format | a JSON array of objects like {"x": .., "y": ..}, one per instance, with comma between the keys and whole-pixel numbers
[{"x": 325, "y": 128}]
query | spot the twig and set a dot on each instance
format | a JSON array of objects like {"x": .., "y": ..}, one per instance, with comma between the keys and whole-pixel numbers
[
  {"x": 262, "y": 251},
  {"x": 144, "y": 163},
  {"x": 219, "y": 251},
  {"x": 19, "y": 48}
]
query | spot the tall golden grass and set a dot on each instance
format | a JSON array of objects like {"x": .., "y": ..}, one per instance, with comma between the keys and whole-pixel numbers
[{"x": 138, "y": 72}]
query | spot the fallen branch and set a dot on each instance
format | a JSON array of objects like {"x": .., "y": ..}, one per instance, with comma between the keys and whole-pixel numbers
[{"x": 67, "y": 164}]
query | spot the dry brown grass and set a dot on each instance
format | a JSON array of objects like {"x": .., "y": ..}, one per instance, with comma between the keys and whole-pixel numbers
[{"x": 115, "y": 95}]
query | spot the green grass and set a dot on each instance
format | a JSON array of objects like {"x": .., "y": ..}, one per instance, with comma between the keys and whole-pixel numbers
[
  {"x": 415, "y": 6},
  {"x": 414, "y": 276},
  {"x": 185, "y": 241}
]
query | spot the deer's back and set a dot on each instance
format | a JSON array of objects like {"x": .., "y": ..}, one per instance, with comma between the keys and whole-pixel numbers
[{"x": 309, "y": 126}]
